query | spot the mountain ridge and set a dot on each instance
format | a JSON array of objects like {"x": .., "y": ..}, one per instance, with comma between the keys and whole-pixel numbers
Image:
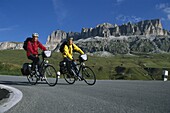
[
  {"x": 141, "y": 31},
  {"x": 144, "y": 36}
]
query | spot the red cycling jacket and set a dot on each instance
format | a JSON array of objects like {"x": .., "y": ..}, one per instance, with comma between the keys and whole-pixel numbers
[{"x": 32, "y": 47}]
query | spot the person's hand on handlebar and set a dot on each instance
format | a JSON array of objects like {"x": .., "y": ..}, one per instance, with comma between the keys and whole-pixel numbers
[{"x": 75, "y": 60}]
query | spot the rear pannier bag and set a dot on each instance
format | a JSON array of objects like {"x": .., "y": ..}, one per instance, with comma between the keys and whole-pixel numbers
[
  {"x": 25, "y": 69},
  {"x": 63, "y": 67}
]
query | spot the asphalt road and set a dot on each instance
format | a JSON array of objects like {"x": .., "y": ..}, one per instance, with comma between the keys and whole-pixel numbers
[{"x": 104, "y": 97}]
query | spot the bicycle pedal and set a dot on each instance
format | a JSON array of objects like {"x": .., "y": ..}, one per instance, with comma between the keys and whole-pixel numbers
[
  {"x": 38, "y": 79},
  {"x": 80, "y": 79},
  {"x": 43, "y": 79},
  {"x": 76, "y": 79}
]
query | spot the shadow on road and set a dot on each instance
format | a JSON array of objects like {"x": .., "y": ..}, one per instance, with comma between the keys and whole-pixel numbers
[
  {"x": 63, "y": 84},
  {"x": 15, "y": 83},
  {"x": 26, "y": 83}
]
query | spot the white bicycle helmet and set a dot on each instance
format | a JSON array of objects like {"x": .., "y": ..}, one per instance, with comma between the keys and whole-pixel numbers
[{"x": 35, "y": 34}]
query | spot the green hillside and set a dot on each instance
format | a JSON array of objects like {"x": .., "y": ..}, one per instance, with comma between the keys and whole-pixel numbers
[{"x": 131, "y": 67}]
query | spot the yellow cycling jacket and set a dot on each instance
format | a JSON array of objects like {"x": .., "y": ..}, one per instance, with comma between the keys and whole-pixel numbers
[{"x": 68, "y": 51}]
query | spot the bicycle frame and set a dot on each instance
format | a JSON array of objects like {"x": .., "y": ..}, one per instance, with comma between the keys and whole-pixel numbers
[
  {"x": 81, "y": 64},
  {"x": 79, "y": 71},
  {"x": 44, "y": 72},
  {"x": 43, "y": 64}
]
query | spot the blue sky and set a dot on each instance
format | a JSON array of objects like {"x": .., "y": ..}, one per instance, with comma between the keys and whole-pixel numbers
[{"x": 20, "y": 18}]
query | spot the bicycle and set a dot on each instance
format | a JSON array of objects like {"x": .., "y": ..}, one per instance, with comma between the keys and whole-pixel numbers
[
  {"x": 48, "y": 72},
  {"x": 78, "y": 72}
]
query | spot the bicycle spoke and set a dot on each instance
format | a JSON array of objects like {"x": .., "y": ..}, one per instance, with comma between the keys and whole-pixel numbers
[
  {"x": 88, "y": 75},
  {"x": 69, "y": 78},
  {"x": 50, "y": 75},
  {"x": 32, "y": 79}
]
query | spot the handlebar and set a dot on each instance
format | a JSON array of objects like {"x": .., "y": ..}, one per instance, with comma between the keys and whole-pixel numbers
[
  {"x": 39, "y": 54},
  {"x": 81, "y": 58},
  {"x": 45, "y": 54},
  {"x": 76, "y": 60}
]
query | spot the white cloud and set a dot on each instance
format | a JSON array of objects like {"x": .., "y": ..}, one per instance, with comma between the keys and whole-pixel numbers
[
  {"x": 167, "y": 10},
  {"x": 168, "y": 16},
  {"x": 163, "y": 19},
  {"x": 5, "y": 29},
  {"x": 124, "y": 18},
  {"x": 161, "y": 6},
  {"x": 60, "y": 11},
  {"x": 165, "y": 7},
  {"x": 118, "y": 1},
  {"x": 8, "y": 28}
]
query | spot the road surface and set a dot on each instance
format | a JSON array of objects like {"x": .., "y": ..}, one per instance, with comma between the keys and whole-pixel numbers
[{"x": 105, "y": 96}]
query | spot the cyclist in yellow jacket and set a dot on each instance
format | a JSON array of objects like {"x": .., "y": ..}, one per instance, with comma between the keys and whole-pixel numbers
[
  {"x": 68, "y": 53},
  {"x": 69, "y": 48}
]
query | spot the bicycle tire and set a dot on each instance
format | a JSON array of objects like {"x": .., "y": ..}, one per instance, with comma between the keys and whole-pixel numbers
[
  {"x": 88, "y": 75},
  {"x": 50, "y": 74},
  {"x": 70, "y": 79},
  {"x": 32, "y": 79}
]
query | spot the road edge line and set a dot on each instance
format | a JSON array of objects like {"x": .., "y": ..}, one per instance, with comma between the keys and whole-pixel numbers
[{"x": 15, "y": 96}]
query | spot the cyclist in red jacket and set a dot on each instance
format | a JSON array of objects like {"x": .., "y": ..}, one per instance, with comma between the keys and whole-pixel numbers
[{"x": 32, "y": 49}]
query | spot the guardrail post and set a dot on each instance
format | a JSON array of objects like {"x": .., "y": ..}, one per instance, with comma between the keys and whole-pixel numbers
[{"x": 165, "y": 75}]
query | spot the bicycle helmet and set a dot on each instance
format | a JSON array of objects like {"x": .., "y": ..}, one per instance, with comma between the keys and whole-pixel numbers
[
  {"x": 70, "y": 38},
  {"x": 35, "y": 34}
]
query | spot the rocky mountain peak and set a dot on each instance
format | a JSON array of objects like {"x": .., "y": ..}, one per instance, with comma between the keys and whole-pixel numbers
[
  {"x": 145, "y": 28},
  {"x": 151, "y": 27},
  {"x": 104, "y": 25},
  {"x": 145, "y": 36},
  {"x": 10, "y": 45},
  {"x": 55, "y": 38}
]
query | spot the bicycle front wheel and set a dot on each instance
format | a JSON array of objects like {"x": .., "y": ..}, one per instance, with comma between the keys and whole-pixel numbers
[
  {"x": 50, "y": 75},
  {"x": 88, "y": 75},
  {"x": 32, "y": 79}
]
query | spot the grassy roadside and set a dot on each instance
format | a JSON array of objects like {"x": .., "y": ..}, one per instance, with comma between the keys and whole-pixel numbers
[{"x": 104, "y": 67}]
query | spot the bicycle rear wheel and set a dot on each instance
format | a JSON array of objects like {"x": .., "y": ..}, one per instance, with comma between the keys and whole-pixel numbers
[
  {"x": 50, "y": 75},
  {"x": 88, "y": 75},
  {"x": 32, "y": 79},
  {"x": 69, "y": 78}
]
